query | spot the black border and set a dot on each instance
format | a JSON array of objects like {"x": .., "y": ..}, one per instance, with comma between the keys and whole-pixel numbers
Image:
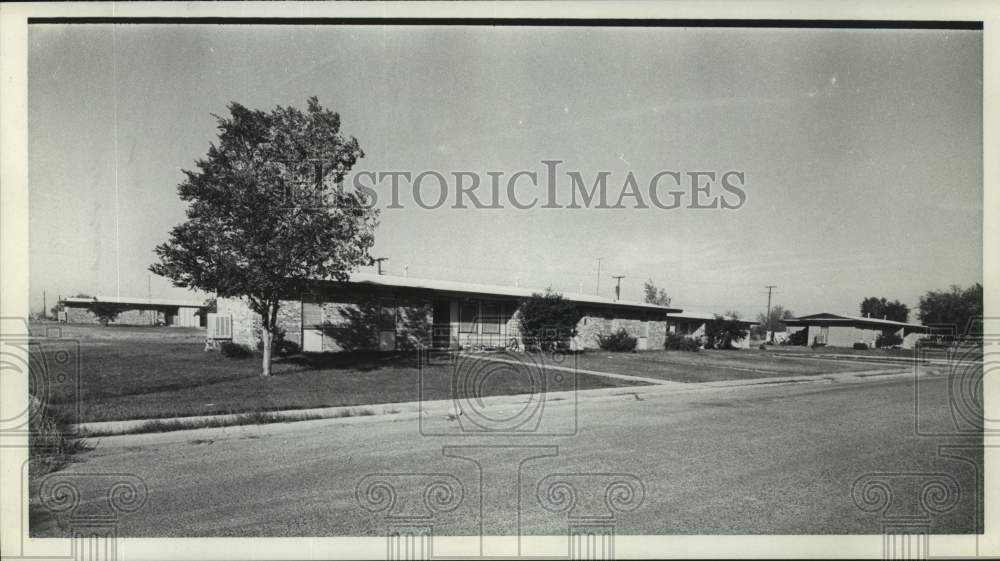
[{"x": 528, "y": 22}]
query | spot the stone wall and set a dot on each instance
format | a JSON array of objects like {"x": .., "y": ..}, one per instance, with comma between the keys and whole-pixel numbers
[
  {"x": 590, "y": 326},
  {"x": 246, "y": 323},
  {"x": 79, "y": 314}
]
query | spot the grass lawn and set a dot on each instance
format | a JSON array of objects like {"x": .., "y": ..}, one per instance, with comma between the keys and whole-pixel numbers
[
  {"x": 133, "y": 373},
  {"x": 712, "y": 365}
]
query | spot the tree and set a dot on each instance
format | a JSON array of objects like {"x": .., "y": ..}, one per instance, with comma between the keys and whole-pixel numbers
[
  {"x": 548, "y": 320},
  {"x": 721, "y": 332},
  {"x": 267, "y": 212},
  {"x": 655, "y": 295},
  {"x": 882, "y": 308},
  {"x": 955, "y": 307},
  {"x": 774, "y": 323},
  {"x": 106, "y": 312}
]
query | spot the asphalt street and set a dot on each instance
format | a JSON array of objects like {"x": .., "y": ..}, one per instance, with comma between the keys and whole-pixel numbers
[{"x": 772, "y": 458}]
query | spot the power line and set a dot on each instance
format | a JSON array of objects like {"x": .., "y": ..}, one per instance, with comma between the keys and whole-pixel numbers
[
  {"x": 769, "y": 288},
  {"x": 598, "y": 292},
  {"x": 618, "y": 287}
]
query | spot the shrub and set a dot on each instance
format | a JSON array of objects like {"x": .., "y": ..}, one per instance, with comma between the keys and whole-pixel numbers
[
  {"x": 799, "y": 338},
  {"x": 49, "y": 449},
  {"x": 677, "y": 342},
  {"x": 722, "y": 332},
  {"x": 288, "y": 348},
  {"x": 279, "y": 344},
  {"x": 235, "y": 350},
  {"x": 619, "y": 341},
  {"x": 860, "y": 347},
  {"x": 888, "y": 339},
  {"x": 548, "y": 321}
]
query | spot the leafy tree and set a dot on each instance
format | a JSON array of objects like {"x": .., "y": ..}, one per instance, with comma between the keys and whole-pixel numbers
[
  {"x": 880, "y": 307},
  {"x": 267, "y": 212},
  {"x": 888, "y": 339},
  {"x": 774, "y": 323},
  {"x": 548, "y": 320},
  {"x": 722, "y": 332},
  {"x": 654, "y": 295},
  {"x": 955, "y": 307},
  {"x": 106, "y": 312}
]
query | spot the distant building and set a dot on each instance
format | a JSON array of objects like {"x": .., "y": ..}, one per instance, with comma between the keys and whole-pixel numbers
[
  {"x": 136, "y": 311},
  {"x": 835, "y": 330},
  {"x": 693, "y": 324},
  {"x": 384, "y": 312}
]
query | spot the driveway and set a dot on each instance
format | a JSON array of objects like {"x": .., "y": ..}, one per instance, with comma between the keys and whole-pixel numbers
[{"x": 771, "y": 458}]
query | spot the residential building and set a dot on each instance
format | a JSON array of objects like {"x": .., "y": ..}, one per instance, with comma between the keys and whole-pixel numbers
[{"x": 388, "y": 313}]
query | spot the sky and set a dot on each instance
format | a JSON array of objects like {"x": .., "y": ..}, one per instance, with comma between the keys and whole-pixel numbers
[{"x": 861, "y": 151}]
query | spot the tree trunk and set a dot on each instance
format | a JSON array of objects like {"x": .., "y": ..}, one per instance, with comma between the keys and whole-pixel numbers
[{"x": 266, "y": 338}]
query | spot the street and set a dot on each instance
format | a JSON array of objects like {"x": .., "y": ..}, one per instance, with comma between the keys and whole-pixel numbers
[{"x": 771, "y": 458}]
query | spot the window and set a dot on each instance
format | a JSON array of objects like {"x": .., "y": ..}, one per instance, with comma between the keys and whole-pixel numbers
[
  {"x": 387, "y": 316},
  {"x": 491, "y": 318},
  {"x": 467, "y": 317},
  {"x": 312, "y": 314}
]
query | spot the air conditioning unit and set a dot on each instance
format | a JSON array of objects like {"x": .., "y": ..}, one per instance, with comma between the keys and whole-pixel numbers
[{"x": 220, "y": 326}]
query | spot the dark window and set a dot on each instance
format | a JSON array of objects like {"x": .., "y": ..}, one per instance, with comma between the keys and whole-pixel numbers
[
  {"x": 491, "y": 318},
  {"x": 467, "y": 316},
  {"x": 387, "y": 317}
]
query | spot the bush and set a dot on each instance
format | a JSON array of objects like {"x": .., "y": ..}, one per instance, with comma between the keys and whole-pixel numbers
[
  {"x": 288, "y": 348},
  {"x": 677, "y": 342},
  {"x": 548, "y": 321},
  {"x": 799, "y": 338},
  {"x": 235, "y": 350},
  {"x": 722, "y": 332},
  {"x": 280, "y": 345},
  {"x": 889, "y": 339},
  {"x": 619, "y": 342},
  {"x": 49, "y": 449},
  {"x": 860, "y": 347}
]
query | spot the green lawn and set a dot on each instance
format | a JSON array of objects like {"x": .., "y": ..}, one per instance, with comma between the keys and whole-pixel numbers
[
  {"x": 131, "y": 373},
  {"x": 713, "y": 366}
]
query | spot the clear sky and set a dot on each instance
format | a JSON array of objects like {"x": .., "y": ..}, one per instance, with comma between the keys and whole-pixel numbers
[{"x": 862, "y": 150}]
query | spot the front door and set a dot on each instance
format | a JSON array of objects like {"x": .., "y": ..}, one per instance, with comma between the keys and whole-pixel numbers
[
  {"x": 312, "y": 319},
  {"x": 387, "y": 326},
  {"x": 441, "y": 324}
]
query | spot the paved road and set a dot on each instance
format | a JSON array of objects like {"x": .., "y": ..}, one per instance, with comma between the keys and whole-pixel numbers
[{"x": 744, "y": 460}]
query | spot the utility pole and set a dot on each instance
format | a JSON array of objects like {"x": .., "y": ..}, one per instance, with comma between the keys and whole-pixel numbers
[
  {"x": 378, "y": 261},
  {"x": 45, "y": 313},
  {"x": 149, "y": 288},
  {"x": 599, "y": 259},
  {"x": 767, "y": 325},
  {"x": 618, "y": 287}
]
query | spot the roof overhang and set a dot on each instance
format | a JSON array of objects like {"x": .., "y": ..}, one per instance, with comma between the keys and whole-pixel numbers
[
  {"x": 473, "y": 290},
  {"x": 821, "y": 320}
]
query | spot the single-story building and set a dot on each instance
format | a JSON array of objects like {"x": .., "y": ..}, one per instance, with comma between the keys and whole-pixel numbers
[
  {"x": 386, "y": 312},
  {"x": 135, "y": 311},
  {"x": 835, "y": 330},
  {"x": 692, "y": 324}
]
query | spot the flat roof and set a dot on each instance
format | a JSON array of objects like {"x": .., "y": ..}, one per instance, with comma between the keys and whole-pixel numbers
[
  {"x": 368, "y": 279},
  {"x": 834, "y": 319},
  {"x": 703, "y": 316},
  {"x": 130, "y": 300}
]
